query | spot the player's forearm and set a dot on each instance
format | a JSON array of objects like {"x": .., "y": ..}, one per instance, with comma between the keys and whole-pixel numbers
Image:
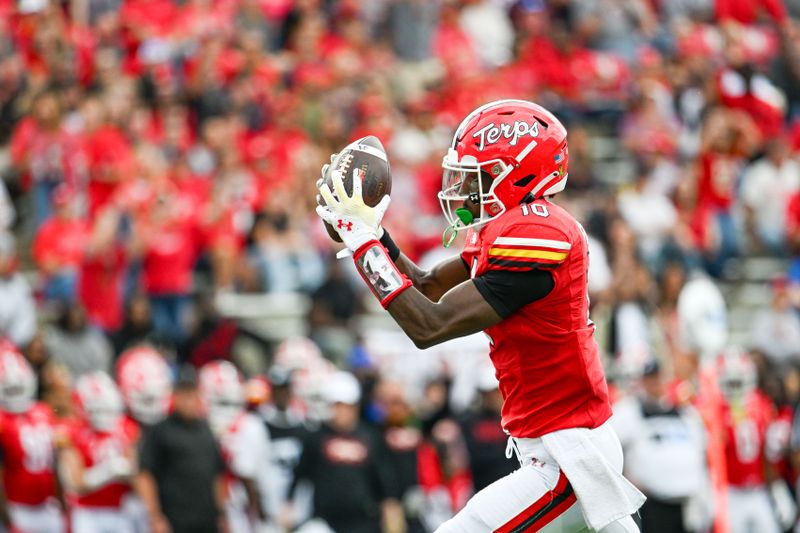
[
  {"x": 431, "y": 283},
  {"x": 422, "y": 280},
  {"x": 460, "y": 312},
  {"x": 254, "y": 498},
  {"x": 147, "y": 489}
]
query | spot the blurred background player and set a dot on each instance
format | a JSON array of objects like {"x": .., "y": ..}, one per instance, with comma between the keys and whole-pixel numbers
[
  {"x": 757, "y": 499},
  {"x": 244, "y": 442},
  {"x": 180, "y": 478},
  {"x": 665, "y": 450},
  {"x": 28, "y": 502},
  {"x": 97, "y": 461},
  {"x": 344, "y": 463},
  {"x": 287, "y": 430},
  {"x": 145, "y": 383}
]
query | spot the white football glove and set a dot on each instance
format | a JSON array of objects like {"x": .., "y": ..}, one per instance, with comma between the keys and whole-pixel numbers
[
  {"x": 354, "y": 221},
  {"x": 783, "y": 503}
]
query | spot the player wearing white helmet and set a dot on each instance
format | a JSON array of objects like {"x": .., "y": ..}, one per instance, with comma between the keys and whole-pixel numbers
[
  {"x": 244, "y": 442},
  {"x": 310, "y": 373},
  {"x": 757, "y": 500},
  {"x": 27, "y": 430},
  {"x": 97, "y": 460},
  {"x": 145, "y": 382}
]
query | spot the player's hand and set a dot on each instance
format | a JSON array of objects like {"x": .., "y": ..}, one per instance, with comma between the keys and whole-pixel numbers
[
  {"x": 354, "y": 221},
  {"x": 159, "y": 524}
]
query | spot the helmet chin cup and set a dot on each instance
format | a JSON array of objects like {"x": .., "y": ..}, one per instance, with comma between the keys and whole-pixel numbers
[{"x": 465, "y": 215}]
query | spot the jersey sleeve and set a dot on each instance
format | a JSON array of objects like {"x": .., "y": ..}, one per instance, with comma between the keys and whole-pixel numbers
[{"x": 528, "y": 246}]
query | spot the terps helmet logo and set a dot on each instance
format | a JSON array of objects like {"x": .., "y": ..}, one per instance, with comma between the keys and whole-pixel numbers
[{"x": 491, "y": 133}]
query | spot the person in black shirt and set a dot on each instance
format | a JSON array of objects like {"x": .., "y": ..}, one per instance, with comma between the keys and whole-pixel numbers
[
  {"x": 181, "y": 466},
  {"x": 343, "y": 462},
  {"x": 401, "y": 441},
  {"x": 287, "y": 431},
  {"x": 484, "y": 437}
]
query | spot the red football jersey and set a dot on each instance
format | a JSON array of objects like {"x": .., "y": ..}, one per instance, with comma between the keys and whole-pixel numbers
[
  {"x": 26, "y": 446},
  {"x": 745, "y": 440},
  {"x": 544, "y": 354},
  {"x": 96, "y": 447}
]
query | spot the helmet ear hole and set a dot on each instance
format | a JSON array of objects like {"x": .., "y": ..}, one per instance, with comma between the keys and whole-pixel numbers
[{"x": 524, "y": 181}]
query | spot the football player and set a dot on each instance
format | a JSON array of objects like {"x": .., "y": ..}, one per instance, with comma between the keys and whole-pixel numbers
[
  {"x": 145, "y": 382},
  {"x": 97, "y": 460},
  {"x": 244, "y": 442},
  {"x": 288, "y": 429},
  {"x": 28, "y": 501},
  {"x": 521, "y": 278},
  {"x": 756, "y": 499}
]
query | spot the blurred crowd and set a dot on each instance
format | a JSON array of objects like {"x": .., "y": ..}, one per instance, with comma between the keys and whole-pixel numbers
[{"x": 157, "y": 155}]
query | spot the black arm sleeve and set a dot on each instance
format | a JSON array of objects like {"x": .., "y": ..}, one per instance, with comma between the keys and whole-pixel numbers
[{"x": 507, "y": 291}]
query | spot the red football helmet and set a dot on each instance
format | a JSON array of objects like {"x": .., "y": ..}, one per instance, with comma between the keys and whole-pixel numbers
[{"x": 502, "y": 152}]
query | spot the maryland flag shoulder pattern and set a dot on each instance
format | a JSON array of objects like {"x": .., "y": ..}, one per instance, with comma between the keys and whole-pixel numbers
[{"x": 522, "y": 253}]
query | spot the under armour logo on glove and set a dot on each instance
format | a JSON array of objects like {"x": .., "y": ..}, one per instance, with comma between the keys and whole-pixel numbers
[{"x": 348, "y": 226}]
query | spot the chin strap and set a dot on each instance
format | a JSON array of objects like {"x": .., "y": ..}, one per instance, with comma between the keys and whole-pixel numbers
[
  {"x": 380, "y": 273},
  {"x": 465, "y": 217}
]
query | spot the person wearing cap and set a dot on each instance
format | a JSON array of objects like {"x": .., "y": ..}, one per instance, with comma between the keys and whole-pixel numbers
[
  {"x": 665, "y": 450},
  {"x": 181, "y": 467},
  {"x": 344, "y": 463},
  {"x": 287, "y": 429}
]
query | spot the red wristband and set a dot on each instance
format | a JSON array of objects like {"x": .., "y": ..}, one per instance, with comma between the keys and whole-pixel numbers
[{"x": 380, "y": 273}]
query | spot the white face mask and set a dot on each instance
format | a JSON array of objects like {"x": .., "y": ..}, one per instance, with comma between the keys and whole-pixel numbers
[
  {"x": 18, "y": 397},
  {"x": 104, "y": 419}
]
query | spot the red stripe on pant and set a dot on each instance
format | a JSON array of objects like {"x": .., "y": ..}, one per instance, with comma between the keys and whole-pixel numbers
[{"x": 549, "y": 506}]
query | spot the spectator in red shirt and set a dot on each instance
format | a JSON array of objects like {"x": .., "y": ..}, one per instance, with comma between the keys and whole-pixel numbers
[
  {"x": 728, "y": 137},
  {"x": 169, "y": 248},
  {"x": 102, "y": 272},
  {"x": 45, "y": 154},
  {"x": 58, "y": 248},
  {"x": 108, "y": 155}
]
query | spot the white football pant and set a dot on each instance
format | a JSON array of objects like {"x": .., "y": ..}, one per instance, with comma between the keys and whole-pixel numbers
[
  {"x": 136, "y": 512},
  {"x": 750, "y": 511},
  {"x": 101, "y": 520},
  {"x": 45, "y": 518},
  {"x": 537, "y": 496}
]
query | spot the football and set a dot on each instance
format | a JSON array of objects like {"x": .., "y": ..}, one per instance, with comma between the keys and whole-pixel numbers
[{"x": 369, "y": 157}]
